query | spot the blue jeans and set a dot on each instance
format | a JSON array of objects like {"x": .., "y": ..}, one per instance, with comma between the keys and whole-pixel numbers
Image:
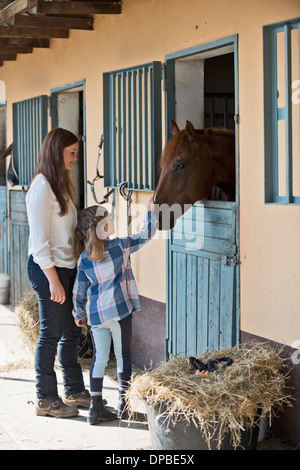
[{"x": 58, "y": 334}]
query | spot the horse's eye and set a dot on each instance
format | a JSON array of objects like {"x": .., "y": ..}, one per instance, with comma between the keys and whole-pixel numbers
[{"x": 180, "y": 165}]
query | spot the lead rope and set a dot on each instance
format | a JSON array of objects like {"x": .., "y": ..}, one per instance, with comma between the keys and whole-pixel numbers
[
  {"x": 128, "y": 199},
  {"x": 98, "y": 176}
]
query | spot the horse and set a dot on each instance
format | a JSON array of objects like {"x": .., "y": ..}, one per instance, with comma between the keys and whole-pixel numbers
[{"x": 192, "y": 163}]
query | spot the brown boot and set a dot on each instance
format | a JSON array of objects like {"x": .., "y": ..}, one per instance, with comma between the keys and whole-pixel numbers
[
  {"x": 54, "y": 407},
  {"x": 78, "y": 399}
]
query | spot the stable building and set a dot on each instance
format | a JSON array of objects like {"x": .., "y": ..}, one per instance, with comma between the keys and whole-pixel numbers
[{"x": 115, "y": 73}]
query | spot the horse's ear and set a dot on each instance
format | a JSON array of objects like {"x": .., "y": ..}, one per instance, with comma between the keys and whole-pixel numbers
[
  {"x": 190, "y": 131},
  {"x": 173, "y": 127}
]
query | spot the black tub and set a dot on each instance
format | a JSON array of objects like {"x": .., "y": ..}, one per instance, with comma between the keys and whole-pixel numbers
[{"x": 186, "y": 436}]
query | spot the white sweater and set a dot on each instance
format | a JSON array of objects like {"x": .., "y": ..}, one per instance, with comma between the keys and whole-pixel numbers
[{"x": 50, "y": 235}]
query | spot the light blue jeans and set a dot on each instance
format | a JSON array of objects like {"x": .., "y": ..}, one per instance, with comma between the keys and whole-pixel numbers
[{"x": 120, "y": 333}]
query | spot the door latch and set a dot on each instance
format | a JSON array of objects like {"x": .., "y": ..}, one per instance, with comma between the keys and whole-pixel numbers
[{"x": 230, "y": 260}]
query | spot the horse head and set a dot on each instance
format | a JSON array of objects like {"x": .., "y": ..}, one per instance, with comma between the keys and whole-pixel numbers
[{"x": 192, "y": 162}]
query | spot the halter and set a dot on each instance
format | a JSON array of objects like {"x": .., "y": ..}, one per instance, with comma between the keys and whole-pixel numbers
[{"x": 200, "y": 367}]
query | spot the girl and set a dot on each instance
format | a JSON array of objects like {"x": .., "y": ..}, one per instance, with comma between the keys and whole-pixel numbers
[
  {"x": 106, "y": 288},
  {"x": 52, "y": 219}
]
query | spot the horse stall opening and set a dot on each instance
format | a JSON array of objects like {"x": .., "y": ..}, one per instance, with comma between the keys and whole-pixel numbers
[
  {"x": 203, "y": 279},
  {"x": 67, "y": 111}
]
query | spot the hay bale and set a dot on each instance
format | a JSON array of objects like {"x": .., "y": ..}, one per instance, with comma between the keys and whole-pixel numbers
[
  {"x": 227, "y": 399},
  {"x": 27, "y": 311}
]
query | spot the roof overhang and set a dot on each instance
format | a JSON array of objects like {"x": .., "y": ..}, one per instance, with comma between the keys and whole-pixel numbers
[{"x": 27, "y": 24}]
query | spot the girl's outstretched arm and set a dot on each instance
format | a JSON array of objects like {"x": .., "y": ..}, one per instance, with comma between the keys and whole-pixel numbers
[{"x": 136, "y": 241}]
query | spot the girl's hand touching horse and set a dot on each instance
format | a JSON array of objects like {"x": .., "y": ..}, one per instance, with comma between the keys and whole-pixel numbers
[{"x": 150, "y": 205}]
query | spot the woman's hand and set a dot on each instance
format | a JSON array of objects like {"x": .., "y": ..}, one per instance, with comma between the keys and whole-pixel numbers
[
  {"x": 57, "y": 292},
  {"x": 56, "y": 289}
]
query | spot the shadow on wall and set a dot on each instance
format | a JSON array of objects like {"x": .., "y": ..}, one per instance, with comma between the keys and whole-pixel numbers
[{"x": 149, "y": 333}]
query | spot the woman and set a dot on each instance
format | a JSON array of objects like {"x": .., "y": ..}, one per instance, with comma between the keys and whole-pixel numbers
[{"x": 52, "y": 219}]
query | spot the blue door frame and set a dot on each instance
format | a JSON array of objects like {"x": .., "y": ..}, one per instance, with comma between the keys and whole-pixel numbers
[{"x": 206, "y": 279}]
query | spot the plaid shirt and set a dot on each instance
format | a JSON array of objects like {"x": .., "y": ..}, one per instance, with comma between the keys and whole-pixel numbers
[{"x": 106, "y": 290}]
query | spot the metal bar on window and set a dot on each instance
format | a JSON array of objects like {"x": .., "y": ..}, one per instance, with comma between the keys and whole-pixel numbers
[
  {"x": 212, "y": 111},
  {"x": 288, "y": 117},
  {"x": 128, "y": 130},
  {"x": 274, "y": 116},
  {"x": 151, "y": 129},
  {"x": 18, "y": 141},
  {"x": 37, "y": 134},
  {"x": 118, "y": 130},
  {"x": 124, "y": 129},
  {"x": 112, "y": 149},
  {"x": 145, "y": 130},
  {"x": 140, "y": 128},
  {"x": 297, "y": 198},
  {"x": 29, "y": 143},
  {"x": 134, "y": 130},
  {"x": 225, "y": 110}
]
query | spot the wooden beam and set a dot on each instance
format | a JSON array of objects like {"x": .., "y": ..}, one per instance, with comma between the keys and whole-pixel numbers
[
  {"x": 18, "y": 6},
  {"x": 53, "y": 22},
  {"x": 30, "y": 42},
  {"x": 30, "y": 32},
  {"x": 15, "y": 50},
  {"x": 78, "y": 8},
  {"x": 8, "y": 57}
]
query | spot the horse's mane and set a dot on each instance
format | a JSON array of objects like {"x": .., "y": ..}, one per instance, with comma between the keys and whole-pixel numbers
[{"x": 177, "y": 140}]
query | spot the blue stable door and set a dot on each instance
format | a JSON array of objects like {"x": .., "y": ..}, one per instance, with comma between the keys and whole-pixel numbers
[
  {"x": 202, "y": 307},
  {"x": 203, "y": 247}
]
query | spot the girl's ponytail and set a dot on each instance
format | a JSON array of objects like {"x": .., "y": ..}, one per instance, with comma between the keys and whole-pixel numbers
[
  {"x": 94, "y": 245},
  {"x": 85, "y": 234}
]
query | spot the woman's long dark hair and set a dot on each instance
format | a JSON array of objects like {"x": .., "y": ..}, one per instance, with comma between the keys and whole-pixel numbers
[{"x": 51, "y": 165}]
